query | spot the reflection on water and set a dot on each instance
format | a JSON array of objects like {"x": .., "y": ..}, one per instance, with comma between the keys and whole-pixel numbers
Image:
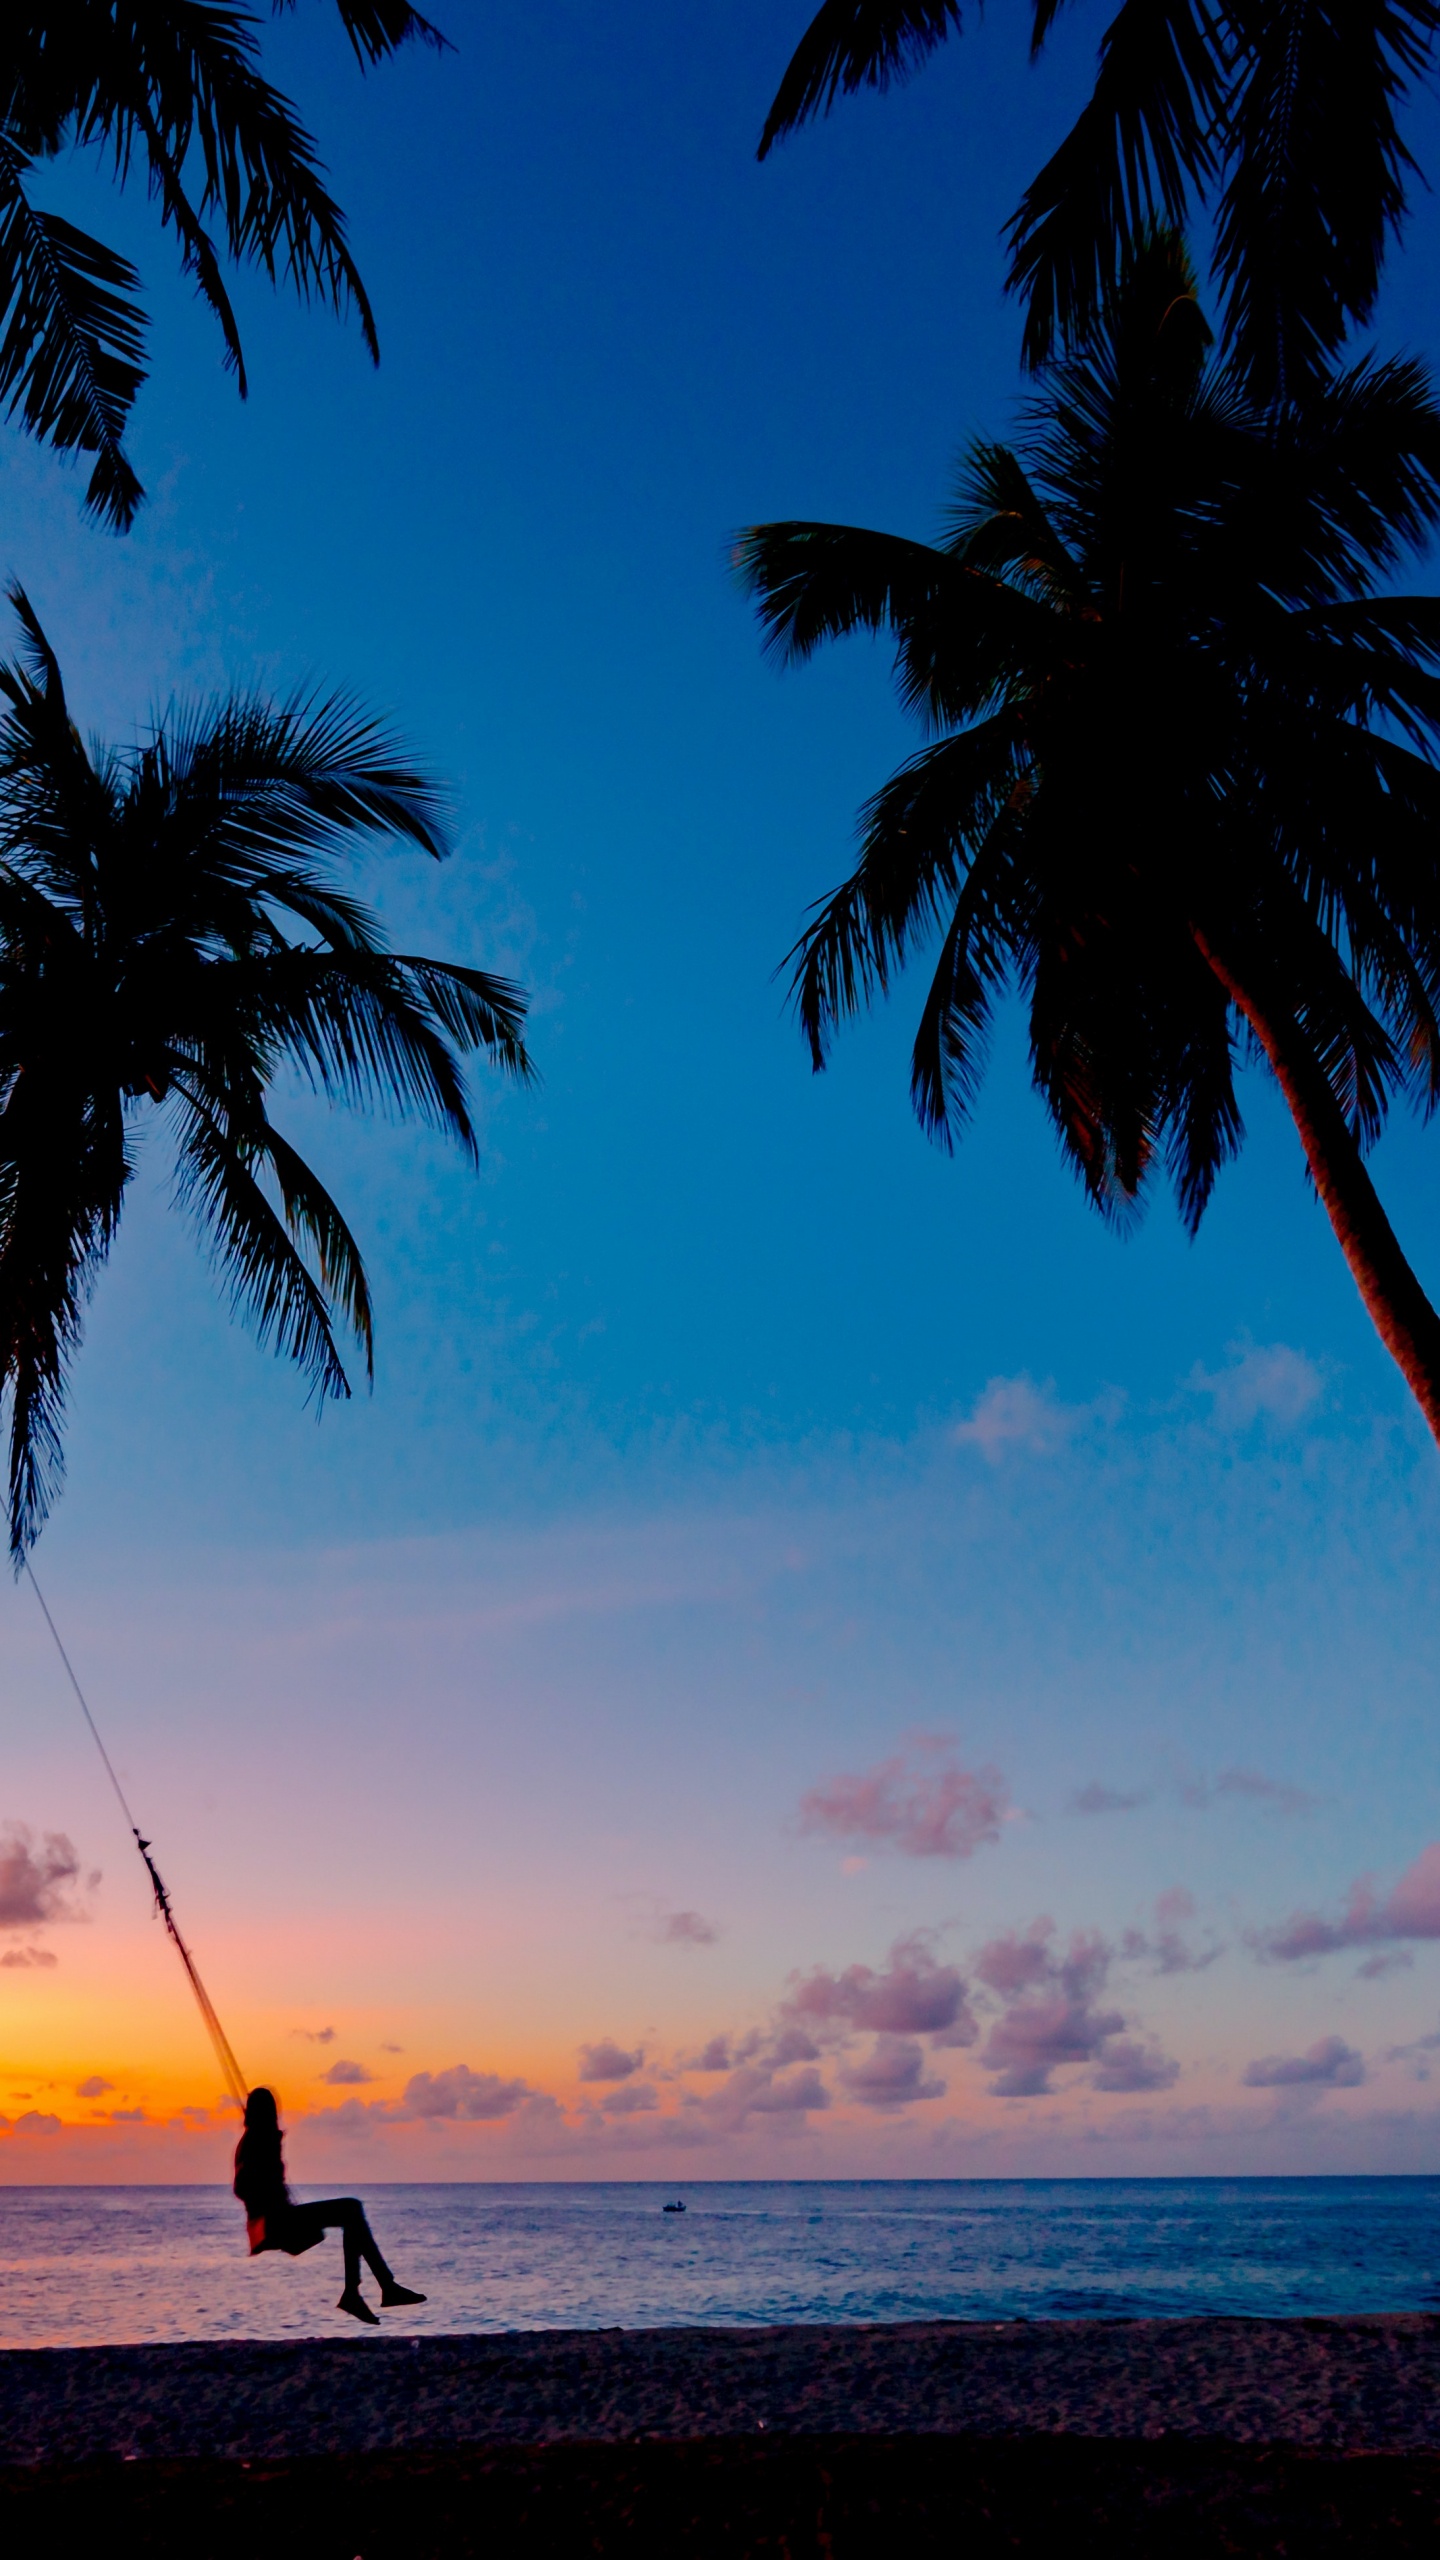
[{"x": 82, "y": 2266}]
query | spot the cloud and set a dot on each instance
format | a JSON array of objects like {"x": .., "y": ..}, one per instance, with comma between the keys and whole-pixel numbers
[
  {"x": 472, "y": 2097},
  {"x": 1330, "y": 2064},
  {"x": 1169, "y": 1950},
  {"x": 94, "y": 2087},
  {"x": 892, "y": 2074},
  {"x": 1200, "y": 1794},
  {"x": 924, "y": 1803},
  {"x": 314, "y": 2035},
  {"x": 684, "y": 1929},
  {"x": 386, "y": 2048},
  {"x": 1410, "y": 1910},
  {"x": 1399, "y": 1960},
  {"x": 1013, "y": 1413},
  {"x": 1126, "y": 2067},
  {"x": 20, "y": 1959},
  {"x": 127, "y": 2115},
  {"x": 1267, "y": 1382},
  {"x": 1248, "y": 1785},
  {"x": 33, "y": 2121},
  {"x": 715, "y": 2056},
  {"x": 608, "y": 2061},
  {"x": 636, "y": 2098},
  {"x": 347, "y": 2075},
  {"x": 35, "y": 1880},
  {"x": 803, "y": 2093},
  {"x": 1052, "y": 2019},
  {"x": 914, "y": 1995}
]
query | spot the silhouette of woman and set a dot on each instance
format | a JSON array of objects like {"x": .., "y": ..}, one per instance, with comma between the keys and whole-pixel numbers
[{"x": 275, "y": 2221}]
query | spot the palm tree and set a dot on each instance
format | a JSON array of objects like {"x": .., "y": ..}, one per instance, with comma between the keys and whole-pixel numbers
[
  {"x": 174, "y": 936},
  {"x": 1182, "y": 789},
  {"x": 1281, "y": 114},
  {"x": 173, "y": 88}
]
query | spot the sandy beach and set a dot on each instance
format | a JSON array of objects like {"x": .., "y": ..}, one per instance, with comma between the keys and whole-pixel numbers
[{"x": 1344, "y": 2386}]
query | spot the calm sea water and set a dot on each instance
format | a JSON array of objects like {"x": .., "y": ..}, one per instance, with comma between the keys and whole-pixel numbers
[{"x": 93, "y": 2265}]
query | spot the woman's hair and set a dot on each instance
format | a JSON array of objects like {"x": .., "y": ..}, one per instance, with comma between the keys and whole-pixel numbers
[{"x": 261, "y": 2113}]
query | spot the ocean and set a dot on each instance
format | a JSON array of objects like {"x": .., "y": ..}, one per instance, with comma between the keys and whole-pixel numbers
[{"x": 83, "y": 2266}]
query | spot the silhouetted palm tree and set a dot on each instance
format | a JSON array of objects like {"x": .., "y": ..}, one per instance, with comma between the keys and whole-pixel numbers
[
  {"x": 172, "y": 87},
  {"x": 174, "y": 936},
  {"x": 1184, "y": 788},
  {"x": 1280, "y": 112}
]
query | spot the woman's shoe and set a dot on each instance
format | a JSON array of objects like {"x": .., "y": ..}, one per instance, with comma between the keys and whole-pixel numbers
[
  {"x": 392, "y": 2295},
  {"x": 353, "y": 2301}
]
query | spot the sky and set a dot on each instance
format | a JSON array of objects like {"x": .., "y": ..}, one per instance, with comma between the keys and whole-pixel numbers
[{"x": 816, "y": 1658}]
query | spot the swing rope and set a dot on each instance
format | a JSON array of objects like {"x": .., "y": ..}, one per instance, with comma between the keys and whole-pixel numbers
[{"x": 231, "y": 2072}]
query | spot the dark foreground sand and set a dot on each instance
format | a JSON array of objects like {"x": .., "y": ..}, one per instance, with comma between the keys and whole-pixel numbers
[
  {"x": 937, "y": 2440},
  {"x": 1369, "y": 2385}
]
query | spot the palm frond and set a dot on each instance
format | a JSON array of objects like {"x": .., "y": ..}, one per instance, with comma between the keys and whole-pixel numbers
[
  {"x": 1316, "y": 176},
  {"x": 855, "y": 44},
  {"x": 920, "y": 833},
  {"x": 63, "y": 1171},
  {"x": 267, "y": 1277},
  {"x": 1136, "y": 155},
  {"x": 71, "y": 340}
]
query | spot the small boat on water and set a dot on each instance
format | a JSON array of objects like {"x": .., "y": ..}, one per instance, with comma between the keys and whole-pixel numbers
[{"x": 672, "y": 2208}]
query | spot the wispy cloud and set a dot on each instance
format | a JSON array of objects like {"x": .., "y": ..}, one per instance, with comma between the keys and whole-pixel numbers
[
  {"x": 1198, "y": 1793},
  {"x": 1411, "y": 1909},
  {"x": 1014, "y": 1414},
  {"x": 684, "y": 1929},
  {"x": 1330, "y": 2064},
  {"x": 1262, "y": 1382},
  {"x": 923, "y": 1802},
  {"x": 314, "y": 2035},
  {"x": 1246, "y": 1786}
]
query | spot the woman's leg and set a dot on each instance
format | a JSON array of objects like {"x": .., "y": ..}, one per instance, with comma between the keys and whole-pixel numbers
[{"x": 346, "y": 2214}]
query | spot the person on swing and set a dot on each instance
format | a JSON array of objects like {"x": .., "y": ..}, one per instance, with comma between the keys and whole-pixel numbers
[{"x": 274, "y": 2221}]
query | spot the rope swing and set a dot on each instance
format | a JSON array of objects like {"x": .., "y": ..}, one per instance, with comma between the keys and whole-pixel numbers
[{"x": 230, "y": 2069}]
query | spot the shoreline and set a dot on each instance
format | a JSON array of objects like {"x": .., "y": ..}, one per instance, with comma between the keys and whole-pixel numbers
[{"x": 1336, "y": 2386}]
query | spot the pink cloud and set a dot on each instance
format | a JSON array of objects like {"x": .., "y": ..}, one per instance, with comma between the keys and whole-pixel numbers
[
  {"x": 892, "y": 2074},
  {"x": 1169, "y": 1950},
  {"x": 685, "y": 1929},
  {"x": 94, "y": 2087},
  {"x": 472, "y": 2097},
  {"x": 715, "y": 2056},
  {"x": 635, "y": 2098},
  {"x": 1052, "y": 2018},
  {"x": 35, "y": 1881},
  {"x": 22, "y": 1959},
  {"x": 925, "y": 1804},
  {"x": 1126, "y": 2067},
  {"x": 608, "y": 2061},
  {"x": 1410, "y": 1910},
  {"x": 1331, "y": 2064},
  {"x": 914, "y": 1995},
  {"x": 346, "y": 2075}
]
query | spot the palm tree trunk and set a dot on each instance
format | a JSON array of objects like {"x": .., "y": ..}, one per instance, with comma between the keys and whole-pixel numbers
[{"x": 1402, "y": 1315}]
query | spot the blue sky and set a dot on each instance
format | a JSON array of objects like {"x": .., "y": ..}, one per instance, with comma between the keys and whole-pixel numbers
[{"x": 687, "y": 1484}]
